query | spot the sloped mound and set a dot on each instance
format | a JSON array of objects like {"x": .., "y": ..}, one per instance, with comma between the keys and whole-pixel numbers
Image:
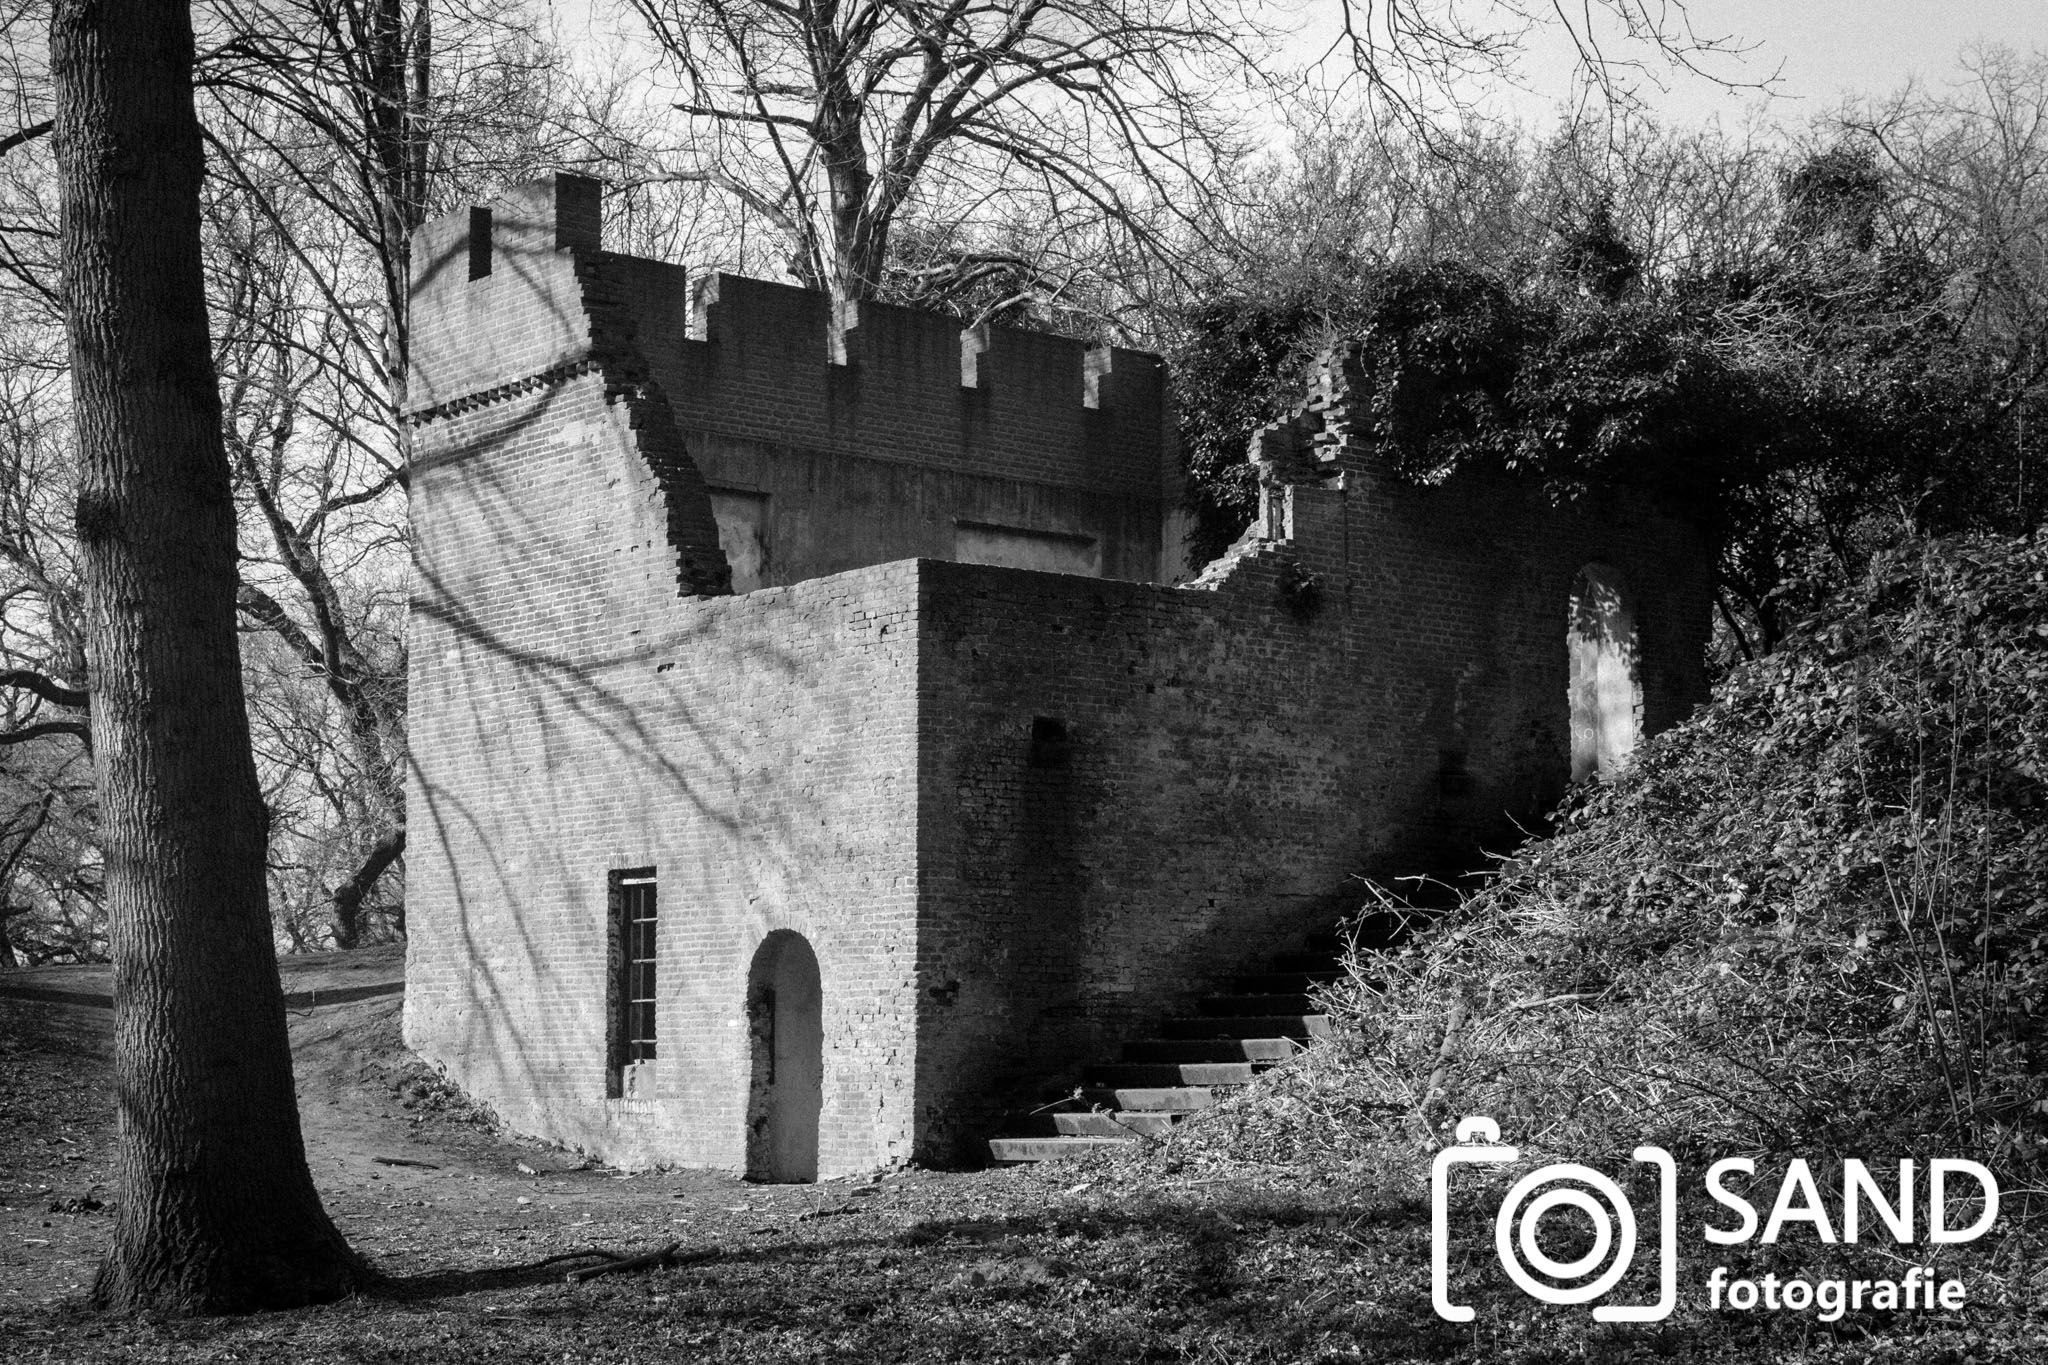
[{"x": 1815, "y": 916}]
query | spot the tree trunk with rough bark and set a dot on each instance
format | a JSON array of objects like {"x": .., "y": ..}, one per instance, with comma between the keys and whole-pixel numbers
[{"x": 218, "y": 1212}]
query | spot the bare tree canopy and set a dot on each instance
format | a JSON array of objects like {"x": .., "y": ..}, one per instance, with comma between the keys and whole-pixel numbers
[
  {"x": 1419, "y": 59},
  {"x": 832, "y": 123},
  {"x": 1967, "y": 165}
]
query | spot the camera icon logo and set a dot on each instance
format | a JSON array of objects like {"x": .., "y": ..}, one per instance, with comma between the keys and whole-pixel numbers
[{"x": 1561, "y": 1185}]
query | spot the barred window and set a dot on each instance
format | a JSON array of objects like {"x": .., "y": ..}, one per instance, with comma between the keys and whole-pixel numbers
[{"x": 634, "y": 896}]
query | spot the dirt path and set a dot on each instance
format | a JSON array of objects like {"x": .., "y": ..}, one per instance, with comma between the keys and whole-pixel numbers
[
  {"x": 473, "y": 1200},
  {"x": 480, "y": 1199},
  {"x": 56, "y": 1148}
]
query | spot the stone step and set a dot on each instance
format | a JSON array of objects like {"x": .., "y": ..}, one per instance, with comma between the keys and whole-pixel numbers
[
  {"x": 1262, "y": 1050},
  {"x": 1249, "y": 1026},
  {"x": 1172, "y": 1099},
  {"x": 1013, "y": 1149},
  {"x": 1117, "y": 1075},
  {"x": 1294, "y": 1003},
  {"x": 1265, "y": 1018},
  {"x": 1095, "y": 1123},
  {"x": 1121, "y": 1123}
]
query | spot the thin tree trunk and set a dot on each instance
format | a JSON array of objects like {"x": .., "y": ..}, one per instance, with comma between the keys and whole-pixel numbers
[
  {"x": 856, "y": 263},
  {"x": 218, "y": 1212},
  {"x": 349, "y": 896}
]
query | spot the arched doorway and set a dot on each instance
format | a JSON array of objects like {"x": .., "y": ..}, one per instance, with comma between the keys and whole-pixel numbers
[
  {"x": 786, "y": 1037},
  {"x": 1606, "y": 677}
]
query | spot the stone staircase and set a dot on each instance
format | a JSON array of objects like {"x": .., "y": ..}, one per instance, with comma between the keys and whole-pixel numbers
[{"x": 1264, "y": 1019}]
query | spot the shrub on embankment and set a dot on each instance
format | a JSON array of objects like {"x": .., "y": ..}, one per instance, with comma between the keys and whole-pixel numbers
[{"x": 1813, "y": 917}]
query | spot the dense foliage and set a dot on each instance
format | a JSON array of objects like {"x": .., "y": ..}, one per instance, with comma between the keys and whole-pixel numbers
[
  {"x": 1465, "y": 369},
  {"x": 1844, "y": 388}
]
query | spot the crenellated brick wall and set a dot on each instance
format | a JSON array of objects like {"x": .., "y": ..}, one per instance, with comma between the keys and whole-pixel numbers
[{"x": 871, "y": 433}]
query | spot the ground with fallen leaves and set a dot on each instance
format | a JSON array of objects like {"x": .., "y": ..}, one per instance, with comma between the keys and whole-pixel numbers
[{"x": 1169, "y": 1256}]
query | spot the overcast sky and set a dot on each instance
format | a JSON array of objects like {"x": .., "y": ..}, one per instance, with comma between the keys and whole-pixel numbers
[{"x": 1823, "y": 49}]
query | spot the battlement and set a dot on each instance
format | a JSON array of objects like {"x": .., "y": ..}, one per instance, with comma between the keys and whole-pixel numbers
[{"x": 509, "y": 295}]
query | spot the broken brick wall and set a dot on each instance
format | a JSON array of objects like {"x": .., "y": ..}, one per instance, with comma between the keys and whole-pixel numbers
[{"x": 583, "y": 701}]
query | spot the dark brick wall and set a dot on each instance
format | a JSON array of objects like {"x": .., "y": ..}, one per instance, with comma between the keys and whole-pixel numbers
[
  {"x": 830, "y": 511},
  {"x": 1232, "y": 764},
  {"x": 763, "y": 369},
  {"x": 879, "y": 454}
]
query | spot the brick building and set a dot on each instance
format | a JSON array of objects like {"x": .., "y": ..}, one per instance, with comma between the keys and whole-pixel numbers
[{"x": 813, "y": 752}]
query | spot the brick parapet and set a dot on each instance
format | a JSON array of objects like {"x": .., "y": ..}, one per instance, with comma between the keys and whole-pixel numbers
[{"x": 748, "y": 359}]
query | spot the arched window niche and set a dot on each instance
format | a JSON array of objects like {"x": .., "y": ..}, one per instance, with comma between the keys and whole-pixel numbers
[{"x": 1606, "y": 690}]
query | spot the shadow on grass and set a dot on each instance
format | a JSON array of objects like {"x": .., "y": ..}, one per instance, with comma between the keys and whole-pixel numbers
[
  {"x": 1177, "y": 1275},
  {"x": 1169, "y": 1277},
  {"x": 455, "y": 1284},
  {"x": 1315, "y": 1275}
]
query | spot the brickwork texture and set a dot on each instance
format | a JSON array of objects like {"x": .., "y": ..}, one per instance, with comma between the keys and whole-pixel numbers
[{"x": 1014, "y": 814}]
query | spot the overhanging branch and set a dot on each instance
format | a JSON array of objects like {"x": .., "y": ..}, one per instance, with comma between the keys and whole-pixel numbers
[
  {"x": 48, "y": 689},
  {"x": 44, "y": 729}
]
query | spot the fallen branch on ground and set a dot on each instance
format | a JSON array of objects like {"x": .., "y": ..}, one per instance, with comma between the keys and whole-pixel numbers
[
  {"x": 573, "y": 1256},
  {"x": 666, "y": 1256}
]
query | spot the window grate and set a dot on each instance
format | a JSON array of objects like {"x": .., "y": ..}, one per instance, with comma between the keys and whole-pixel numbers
[{"x": 636, "y": 994}]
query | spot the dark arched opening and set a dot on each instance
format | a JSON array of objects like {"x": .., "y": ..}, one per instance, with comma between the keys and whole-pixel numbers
[
  {"x": 786, "y": 1036},
  {"x": 1606, "y": 675}
]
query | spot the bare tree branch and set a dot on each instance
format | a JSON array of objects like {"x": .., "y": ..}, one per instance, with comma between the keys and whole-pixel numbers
[
  {"x": 47, "y": 688},
  {"x": 44, "y": 729},
  {"x": 28, "y": 134},
  {"x": 832, "y": 124}
]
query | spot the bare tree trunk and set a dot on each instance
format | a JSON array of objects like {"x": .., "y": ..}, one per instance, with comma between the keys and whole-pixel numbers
[
  {"x": 857, "y": 241},
  {"x": 349, "y": 896},
  {"x": 218, "y": 1212},
  {"x": 399, "y": 65}
]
